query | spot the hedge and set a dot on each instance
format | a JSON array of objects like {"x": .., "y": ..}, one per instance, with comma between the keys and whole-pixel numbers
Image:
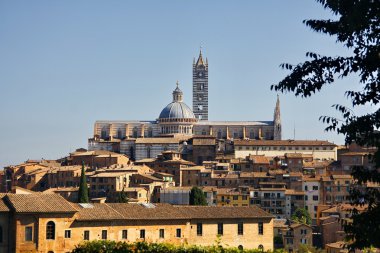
[{"x": 104, "y": 246}]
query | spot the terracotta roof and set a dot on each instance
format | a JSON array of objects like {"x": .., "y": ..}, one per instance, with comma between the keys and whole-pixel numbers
[
  {"x": 165, "y": 211},
  {"x": 261, "y": 159},
  {"x": 97, "y": 211},
  {"x": 39, "y": 203},
  {"x": 61, "y": 189},
  {"x": 110, "y": 174},
  {"x": 279, "y": 223},
  {"x": 336, "y": 245},
  {"x": 283, "y": 143},
  {"x": 296, "y": 225},
  {"x": 3, "y": 206}
]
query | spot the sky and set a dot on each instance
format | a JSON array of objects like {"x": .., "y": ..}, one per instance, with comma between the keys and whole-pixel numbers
[{"x": 66, "y": 64}]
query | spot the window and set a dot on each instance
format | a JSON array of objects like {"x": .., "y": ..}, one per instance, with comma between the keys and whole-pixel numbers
[
  {"x": 220, "y": 228},
  {"x": 67, "y": 233},
  {"x": 315, "y": 197},
  {"x": 235, "y": 197},
  {"x": 240, "y": 228},
  {"x": 50, "y": 230},
  {"x": 315, "y": 187},
  {"x": 261, "y": 228},
  {"x": 305, "y": 187},
  {"x": 178, "y": 232},
  {"x": 142, "y": 233},
  {"x": 124, "y": 234},
  {"x": 162, "y": 233},
  {"x": 86, "y": 235},
  {"x": 104, "y": 234},
  {"x": 199, "y": 229},
  {"x": 29, "y": 234}
]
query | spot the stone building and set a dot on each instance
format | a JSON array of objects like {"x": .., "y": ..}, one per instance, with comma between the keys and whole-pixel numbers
[
  {"x": 48, "y": 223},
  {"x": 179, "y": 123},
  {"x": 322, "y": 150},
  {"x": 295, "y": 235}
]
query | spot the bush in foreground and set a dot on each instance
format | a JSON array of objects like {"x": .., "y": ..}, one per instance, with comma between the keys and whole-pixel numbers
[{"x": 123, "y": 247}]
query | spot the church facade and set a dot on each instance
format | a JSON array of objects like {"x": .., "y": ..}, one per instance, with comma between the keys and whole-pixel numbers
[{"x": 177, "y": 124}]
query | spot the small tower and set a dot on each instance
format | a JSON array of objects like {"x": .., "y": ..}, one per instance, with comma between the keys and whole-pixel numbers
[
  {"x": 200, "y": 87},
  {"x": 177, "y": 94},
  {"x": 277, "y": 121}
]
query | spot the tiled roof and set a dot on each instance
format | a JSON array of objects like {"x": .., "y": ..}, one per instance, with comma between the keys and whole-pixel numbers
[
  {"x": 97, "y": 211},
  {"x": 282, "y": 143},
  {"x": 38, "y": 203},
  {"x": 164, "y": 211},
  {"x": 261, "y": 159},
  {"x": 3, "y": 206},
  {"x": 110, "y": 174}
]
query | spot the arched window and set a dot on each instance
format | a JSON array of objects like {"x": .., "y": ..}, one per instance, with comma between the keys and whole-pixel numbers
[
  {"x": 50, "y": 230},
  {"x": 220, "y": 134},
  {"x": 261, "y": 248}
]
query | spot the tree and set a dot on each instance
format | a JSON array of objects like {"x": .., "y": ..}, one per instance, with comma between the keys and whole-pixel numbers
[
  {"x": 122, "y": 197},
  {"x": 83, "y": 188},
  {"x": 197, "y": 197},
  {"x": 301, "y": 215},
  {"x": 357, "y": 27}
]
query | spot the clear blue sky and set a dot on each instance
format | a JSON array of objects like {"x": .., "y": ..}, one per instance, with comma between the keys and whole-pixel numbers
[{"x": 65, "y": 64}]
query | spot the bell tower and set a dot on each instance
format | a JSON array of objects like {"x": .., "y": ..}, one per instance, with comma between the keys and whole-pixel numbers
[
  {"x": 200, "y": 87},
  {"x": 277, "y": 131}
]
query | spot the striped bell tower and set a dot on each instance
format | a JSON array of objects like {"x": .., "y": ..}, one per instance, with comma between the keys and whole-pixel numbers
[{"x": 200, "y": 87}]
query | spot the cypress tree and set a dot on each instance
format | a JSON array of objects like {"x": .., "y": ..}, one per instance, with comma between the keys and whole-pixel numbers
[
  {"x": 197, "y": 197},
  {"x": 122, "y": 197},
  {"x": 83, "y": 189}
]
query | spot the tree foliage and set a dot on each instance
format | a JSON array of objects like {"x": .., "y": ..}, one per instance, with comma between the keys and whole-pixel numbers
[
  {"x": 122, "y": 197},
  {"x": 301, "y": 215},
  {"x": 357, "y": 27},
  {"x": 83, "y": 188},
  {"x": 104, "y": 246},
  {"x": 197, "y": 197}
]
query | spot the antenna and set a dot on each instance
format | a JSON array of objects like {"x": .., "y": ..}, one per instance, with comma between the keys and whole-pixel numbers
[{"x": 294, "y": 131}]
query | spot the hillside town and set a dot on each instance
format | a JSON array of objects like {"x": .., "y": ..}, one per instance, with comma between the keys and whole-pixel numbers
[
  {"x": 140, "y": 176},
  {"x": 275, "y": 186}
]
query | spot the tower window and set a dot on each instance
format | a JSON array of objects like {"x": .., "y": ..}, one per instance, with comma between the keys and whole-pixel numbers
[
  {"x": 199, "y": 97},
  {"x": 201, "y": 86},
  {"x": 200, "y": 107}
]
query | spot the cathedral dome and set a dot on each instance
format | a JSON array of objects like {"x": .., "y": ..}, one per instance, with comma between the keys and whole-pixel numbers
[{"x": 177, "y": 110}]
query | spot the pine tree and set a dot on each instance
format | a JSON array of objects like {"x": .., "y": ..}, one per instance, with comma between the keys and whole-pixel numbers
[
  {"x": 83, "y": 189},
  {"x": 197, "y": 197}
]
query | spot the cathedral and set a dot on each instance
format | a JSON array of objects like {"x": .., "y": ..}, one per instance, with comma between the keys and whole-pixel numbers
[{"x": 177, "y": 125}]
